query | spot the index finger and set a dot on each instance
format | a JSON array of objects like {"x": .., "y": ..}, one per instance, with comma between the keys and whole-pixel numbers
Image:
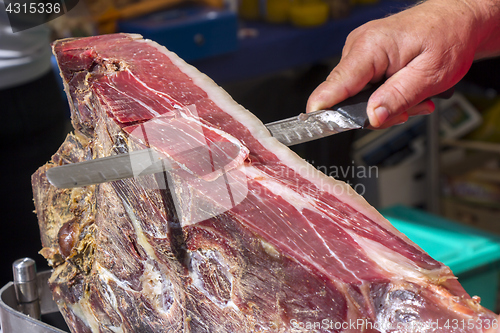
[{"x": 354, "y": 71}]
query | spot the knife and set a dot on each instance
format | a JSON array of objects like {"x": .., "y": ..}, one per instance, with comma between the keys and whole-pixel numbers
[{"x": 348, "y": 115}]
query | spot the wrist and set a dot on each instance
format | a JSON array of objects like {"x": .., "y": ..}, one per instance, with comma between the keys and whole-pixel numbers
[
  {"x": 476, "y": 22},
  {"x": 487, "y": 17}
]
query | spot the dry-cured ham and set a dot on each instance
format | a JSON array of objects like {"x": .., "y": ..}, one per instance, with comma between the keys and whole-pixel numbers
[{"x": 264, "y": 243}]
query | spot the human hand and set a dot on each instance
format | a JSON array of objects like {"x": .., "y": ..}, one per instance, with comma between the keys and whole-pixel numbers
[{"x": 422, "y": 51}]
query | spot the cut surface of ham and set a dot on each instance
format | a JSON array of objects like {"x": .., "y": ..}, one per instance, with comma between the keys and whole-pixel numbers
[{"x": 261, "y": 242}]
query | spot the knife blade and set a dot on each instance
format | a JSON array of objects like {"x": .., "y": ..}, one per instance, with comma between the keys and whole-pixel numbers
[
  {"x": 203, "y": 161},
  {"x": 348, "y": 115},
  {"x": 106, "y": 169}
]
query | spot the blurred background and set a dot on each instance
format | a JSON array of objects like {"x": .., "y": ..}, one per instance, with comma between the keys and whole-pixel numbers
[{"x": 434, "y": 175}]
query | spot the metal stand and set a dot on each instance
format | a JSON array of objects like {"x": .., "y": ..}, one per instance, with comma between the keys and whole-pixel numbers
[{"x": 25, "y": 300}]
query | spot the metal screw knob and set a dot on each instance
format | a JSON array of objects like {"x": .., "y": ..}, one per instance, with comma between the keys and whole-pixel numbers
[
  {"x": 24, "y": 270},
  {"x": 25, "y": 285}
]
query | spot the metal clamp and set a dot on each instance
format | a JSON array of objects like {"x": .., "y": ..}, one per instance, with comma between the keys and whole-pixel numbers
[{"x": 25, "y": 300}]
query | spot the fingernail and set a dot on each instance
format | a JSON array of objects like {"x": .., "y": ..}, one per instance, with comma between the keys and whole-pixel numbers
[
  {"x": 381, "y": 113},
  {"x": 312, "y": 107},
  {"x": 425, "y": 112},
  {"x": 401, "y": 120}
]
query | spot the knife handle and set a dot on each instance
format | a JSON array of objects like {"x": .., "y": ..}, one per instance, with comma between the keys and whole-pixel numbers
[{"x": 355, "y": 107}]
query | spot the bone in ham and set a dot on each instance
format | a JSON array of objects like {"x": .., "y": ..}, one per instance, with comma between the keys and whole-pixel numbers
[{"x": 265, "y": 243}]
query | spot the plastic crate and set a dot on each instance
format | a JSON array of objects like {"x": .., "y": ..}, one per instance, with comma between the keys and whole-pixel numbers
[
  {"x": 193, "y": 32},
  {"x": 473, "y": 255}
]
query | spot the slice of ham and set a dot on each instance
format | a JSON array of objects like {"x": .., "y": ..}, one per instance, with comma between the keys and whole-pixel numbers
[{"x": 258, "y": 241}]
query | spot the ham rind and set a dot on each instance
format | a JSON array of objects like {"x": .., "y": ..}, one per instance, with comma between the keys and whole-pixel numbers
[{"x": 244, "y": 237}]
